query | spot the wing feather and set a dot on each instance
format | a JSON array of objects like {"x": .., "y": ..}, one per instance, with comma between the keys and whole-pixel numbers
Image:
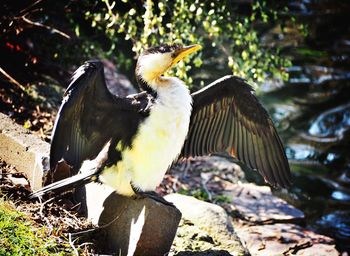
[
  {"x": 90, "y": 116},
  {"x": 212, "y": 139},
  {"x": 229, "y": 132},
  {"x": 227, "y": 116}
]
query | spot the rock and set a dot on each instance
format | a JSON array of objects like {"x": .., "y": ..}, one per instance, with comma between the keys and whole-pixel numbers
[
  {"x": 130, "y": 226},
  {"x": 18, "y": 181},
  {"x": 116, "y": 82},
  {"x": 204, "y": 226},
  {"x": 336, "y": 130},
  {"x": 60, "y": 172},
  {"x": 257, "y": 204},
  {"x": 26, "y": 151},
  {"x": 285, "y": 239},
  {"x": 337, "y": 225},
  {"x": 212, "y": 165},
  {"x": 205, "y": 253}
]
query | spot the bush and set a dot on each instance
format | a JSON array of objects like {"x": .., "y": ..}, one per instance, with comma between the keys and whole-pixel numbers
[{"x": 226, "y": 29}]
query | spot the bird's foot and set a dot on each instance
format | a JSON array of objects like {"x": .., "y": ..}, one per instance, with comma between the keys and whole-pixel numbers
[{"x": 139, "y": 194}]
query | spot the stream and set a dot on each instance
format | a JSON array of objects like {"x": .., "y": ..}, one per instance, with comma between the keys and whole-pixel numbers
[{"x": 312, "y": 113}]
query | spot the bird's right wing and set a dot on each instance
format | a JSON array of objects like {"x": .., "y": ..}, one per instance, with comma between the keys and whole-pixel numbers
[
  {"x": 90, "y": 116},
  {"x": 226, "y": 116}
]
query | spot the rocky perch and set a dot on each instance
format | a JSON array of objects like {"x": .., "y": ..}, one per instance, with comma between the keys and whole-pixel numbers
[
  {"x": 254, "y": 222},
  {"x": 261, "y": 229},
  {"x": 262, "y": 223}
]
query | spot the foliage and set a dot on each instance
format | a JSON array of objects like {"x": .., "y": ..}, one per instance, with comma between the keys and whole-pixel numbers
[
  {"x": 222, "y": 26},
  {"x": 48, "y": 37},
  {"x": 19, "y": 236},
  {"x": 42, "y": 39}
]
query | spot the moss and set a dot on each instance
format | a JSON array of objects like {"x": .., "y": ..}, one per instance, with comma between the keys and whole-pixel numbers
[
  {"x": 191, "y": 239},
  {"x": 21, "y": 236}
]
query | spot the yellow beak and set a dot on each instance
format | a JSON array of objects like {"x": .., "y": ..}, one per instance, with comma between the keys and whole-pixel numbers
[{"x": 183, "y": 52}]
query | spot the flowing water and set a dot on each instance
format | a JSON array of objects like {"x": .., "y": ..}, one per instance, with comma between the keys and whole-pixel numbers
[{"x": 312, "y": 112}]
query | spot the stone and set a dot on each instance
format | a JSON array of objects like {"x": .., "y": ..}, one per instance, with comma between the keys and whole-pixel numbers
[
  {"x": 211, "y": 166},
  {"x": 117, "y": 83},
  {"x": 258, "y": 204},
  {"x": 18, "y": 181},
  {"x": 61, "y": 171},
  {"x": 205, "y": 253},
  {"x": 130, "y": 226},
  {"x": 204, "y": 226},
  {"x": 285, "y": 239},
  {"x": 26, "y": 151}
]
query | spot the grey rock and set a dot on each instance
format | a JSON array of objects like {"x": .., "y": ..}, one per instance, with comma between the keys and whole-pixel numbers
[
  {"x": 117, "y": 83},
  {"x": 130, "y": 226},
  {"x": 26, "y": 151},
  {"x": 204, "y": 226},
  {"x": 210, "y": 166},
  {"x": 257, "y": 204},
  {"x": 18, "y": 181},
  {"x": 285, "y": 239},
  {"x": 205, "y": 253}
]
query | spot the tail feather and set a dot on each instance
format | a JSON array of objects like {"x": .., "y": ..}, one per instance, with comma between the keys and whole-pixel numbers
[{"x": 66, "y": 184}]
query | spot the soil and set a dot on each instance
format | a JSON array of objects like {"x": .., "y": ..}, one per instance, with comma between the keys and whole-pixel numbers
[
  {"x": 58, "y": 217},
  {"x": 34, "y": 107}
]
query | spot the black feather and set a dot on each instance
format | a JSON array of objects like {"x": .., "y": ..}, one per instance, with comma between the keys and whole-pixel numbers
[
  {"x": 90, "y": 116},
  {"x": 247, "y": 130}
]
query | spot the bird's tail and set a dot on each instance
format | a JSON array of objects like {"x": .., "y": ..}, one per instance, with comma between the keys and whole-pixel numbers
[{"x": 66, "y": 184}]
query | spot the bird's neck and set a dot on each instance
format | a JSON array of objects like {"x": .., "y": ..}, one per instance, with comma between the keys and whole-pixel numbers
[
  {"x": 173, "y": 93},
  {"x": 155, "y": 84},
  {"x": 145, "y": 85},
  {"x": 168, "y": 90}
]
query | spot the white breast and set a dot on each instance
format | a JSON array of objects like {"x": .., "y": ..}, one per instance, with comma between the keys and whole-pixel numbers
[{"x": 158, "y": 142}]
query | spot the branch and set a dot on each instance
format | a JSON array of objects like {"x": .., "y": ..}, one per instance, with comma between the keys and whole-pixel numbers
[
  {"x": 27, "y": 9},
  {"x": 53, "y": 30},
  {"x": 11, "y": 79}
]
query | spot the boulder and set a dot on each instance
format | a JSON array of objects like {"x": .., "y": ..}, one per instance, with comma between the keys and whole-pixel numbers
[
  {"x": 117, "y": 83},
  {"x": 24, "y": 150},
  {"x": 258, "y": 204},
  {"x": 285, "y": 239},
  {"x": 129, "y": 226},
  {"x": 205, "y": 253},
  {"x": 204, "y": 226}
]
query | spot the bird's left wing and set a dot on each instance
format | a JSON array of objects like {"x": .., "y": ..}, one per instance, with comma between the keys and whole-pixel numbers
[
  {"x": 90, "y": 116},
  {"x": 90, "y": 122},
  {"x": 227, "y": 117}
]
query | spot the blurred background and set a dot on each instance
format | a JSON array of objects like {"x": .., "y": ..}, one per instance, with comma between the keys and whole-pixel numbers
[{"x": 295, "y": 53}]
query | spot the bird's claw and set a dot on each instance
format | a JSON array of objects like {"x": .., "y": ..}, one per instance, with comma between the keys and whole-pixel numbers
[{"x": 139, "y": 194}]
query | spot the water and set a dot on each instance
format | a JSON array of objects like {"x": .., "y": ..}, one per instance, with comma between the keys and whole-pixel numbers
[
  {"x": 312, "y": 113},
  {"x": 333, "y": 123}
]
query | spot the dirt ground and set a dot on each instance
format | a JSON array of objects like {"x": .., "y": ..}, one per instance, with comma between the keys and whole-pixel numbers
[{"x": 58, "y": 217}]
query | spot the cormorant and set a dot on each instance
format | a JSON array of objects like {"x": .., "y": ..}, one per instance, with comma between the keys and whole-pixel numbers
[{"x": 130, "y": 142}]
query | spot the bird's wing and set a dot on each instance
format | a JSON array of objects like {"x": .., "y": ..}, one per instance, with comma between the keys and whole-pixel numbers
[
  {"x": 228, "y": 117},
  {"x": 90, "y": 116}
]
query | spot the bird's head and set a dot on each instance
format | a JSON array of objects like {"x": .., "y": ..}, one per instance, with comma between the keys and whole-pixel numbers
[{"x": 155, "y": 61}]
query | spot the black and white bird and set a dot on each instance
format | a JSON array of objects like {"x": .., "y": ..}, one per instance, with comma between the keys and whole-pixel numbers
[{"x": 130, "y": 142}]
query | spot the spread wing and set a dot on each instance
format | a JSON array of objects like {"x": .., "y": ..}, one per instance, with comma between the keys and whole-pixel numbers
[
  {"x": 227, "y": 117},
  {"x": 90, "y": 116}
]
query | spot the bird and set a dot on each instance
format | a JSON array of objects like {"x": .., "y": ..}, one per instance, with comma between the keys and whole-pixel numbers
[{"x": 128, "y": 143}]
